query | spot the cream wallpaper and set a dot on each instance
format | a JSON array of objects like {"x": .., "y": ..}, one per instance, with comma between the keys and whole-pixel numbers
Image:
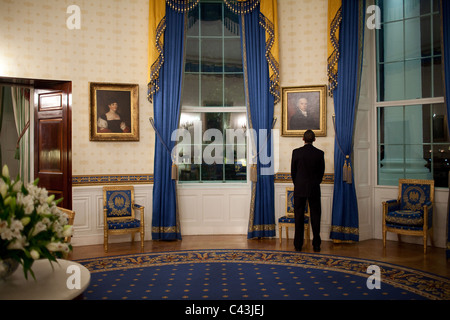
[
  {"x": 303, "y": 62},
  {"x": 111, "y": 46}
]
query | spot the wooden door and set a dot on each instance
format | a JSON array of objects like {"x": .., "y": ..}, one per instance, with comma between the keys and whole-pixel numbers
[{"x": 53, "y": 139}]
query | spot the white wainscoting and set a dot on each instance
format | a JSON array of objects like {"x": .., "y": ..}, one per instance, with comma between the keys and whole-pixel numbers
[
  {"x": 203, "y": 210},
  {"x": 225, "y": 210}
]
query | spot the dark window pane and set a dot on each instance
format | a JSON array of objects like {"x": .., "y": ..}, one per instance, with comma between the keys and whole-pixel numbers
[
  {"x": 441, "y": 158},
  {"x": 190, "y": 90},
  {"x": 212, "y": 55},
  {"x": 212, "y": 90},
  {"x": 234, "y": 90},
  {"x": 211, "y": 16},
  {"x": 232, "y": 55},
  {"x": 438, "y": 84},
  {"x": 192, "y": 55}
]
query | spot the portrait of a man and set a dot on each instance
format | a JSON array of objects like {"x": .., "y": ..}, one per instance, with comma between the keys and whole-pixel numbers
[{"x": 304, "y": 109}]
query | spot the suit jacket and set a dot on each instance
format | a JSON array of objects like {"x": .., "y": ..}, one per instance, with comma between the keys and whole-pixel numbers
[
  {"x": 307, "y": 169},
  {"x": 300, "y": 122}
]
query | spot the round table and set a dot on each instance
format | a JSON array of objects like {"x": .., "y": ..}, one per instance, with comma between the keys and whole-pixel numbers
[{"x": 61, "y": 280}]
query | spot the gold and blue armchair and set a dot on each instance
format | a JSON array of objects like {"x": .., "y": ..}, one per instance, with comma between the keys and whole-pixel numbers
[
  {"x": 288, "y": 220},
  {"x": 412, "y": 212},
  {"x": 119, "y": 213}
]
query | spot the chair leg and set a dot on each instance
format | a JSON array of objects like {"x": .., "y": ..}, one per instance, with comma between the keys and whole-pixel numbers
[
  {"x": 280, "y": 231},
  {"x": 142, "y": 240},
  {"x": 105, "y": 242},
  {"x": 287, "y": 234},
  {"x": 425, "y": 236},
  {"x": 384, "y": 238}
]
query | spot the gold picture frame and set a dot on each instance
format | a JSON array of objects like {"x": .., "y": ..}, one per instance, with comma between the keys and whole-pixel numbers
[
  {"x": 114, "y": 112},
  {"x": 311, "y": 98}
]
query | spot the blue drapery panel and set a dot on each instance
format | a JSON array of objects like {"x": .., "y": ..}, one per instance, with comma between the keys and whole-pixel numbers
[
  {"x": 445, "y": 14},
  {"x": 166, "y": 108},
  {"x": 260, "y": 105},
  {"x": 345, "y": 225}
]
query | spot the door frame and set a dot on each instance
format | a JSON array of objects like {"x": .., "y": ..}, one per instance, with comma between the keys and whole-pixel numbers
[{"x": 45, "y": 84}]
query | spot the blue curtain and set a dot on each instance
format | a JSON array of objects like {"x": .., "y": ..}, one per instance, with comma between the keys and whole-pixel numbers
[
  {"x": 166, "y": 108},
  {"x": 260, "y": 106},
  {"x": 345, "y": 225},
  {"x": 445, "y": 16}
]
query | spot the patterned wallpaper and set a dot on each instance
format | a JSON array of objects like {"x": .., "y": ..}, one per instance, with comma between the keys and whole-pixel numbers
[
  {"x": 111, "y": 46},
  {"x": 303, "y": 62}
]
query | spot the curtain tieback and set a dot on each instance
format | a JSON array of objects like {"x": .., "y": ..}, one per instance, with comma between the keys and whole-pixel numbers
[
  {"x": 174, "y": 172},
  {"x": 347, "y": 170},
  {"x": 17, "y": 155}
]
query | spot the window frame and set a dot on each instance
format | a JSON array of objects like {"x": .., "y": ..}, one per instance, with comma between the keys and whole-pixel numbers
[
  {"x": 403, "y": 102},
  {"x": 216, "y": 109}
]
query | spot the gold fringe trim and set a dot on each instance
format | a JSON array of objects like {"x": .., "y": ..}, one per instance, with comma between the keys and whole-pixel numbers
[
  {"x": 332, "y": 68},
  {"x": 182, "y": 6},
  {"x": 241, "y": 6},
  {"x": 347, "y": 230}
]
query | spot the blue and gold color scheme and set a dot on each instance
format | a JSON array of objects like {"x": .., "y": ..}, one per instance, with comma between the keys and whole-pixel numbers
[
  {"x": 119, "y": 213},
  {"x": 253, "y": 275},
  {"x": 289, "y": 219},
  {"x": 412, "y": 212}
]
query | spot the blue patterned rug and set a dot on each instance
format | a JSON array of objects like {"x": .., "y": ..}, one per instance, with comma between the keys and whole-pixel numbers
[{"x": 255, "y": 275}]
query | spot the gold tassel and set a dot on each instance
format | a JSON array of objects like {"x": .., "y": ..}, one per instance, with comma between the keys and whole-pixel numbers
[
  {"x": 349, "y": 173},
  {"x": 174, "y": 172},
  {"x": 344, "y": 171},
  {"x": 253, "y": 173}
]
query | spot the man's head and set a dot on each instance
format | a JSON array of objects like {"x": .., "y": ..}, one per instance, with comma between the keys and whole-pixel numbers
[
  {"x": 309, "y": 136},
  {"x": 302, "y": 104}
]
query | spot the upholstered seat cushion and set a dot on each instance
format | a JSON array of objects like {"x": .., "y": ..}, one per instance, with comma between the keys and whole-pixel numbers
[
  {"x": 406, "y": 218},
  {"x": 123, "y": 224},
  {"x": 286, "y": 219}
]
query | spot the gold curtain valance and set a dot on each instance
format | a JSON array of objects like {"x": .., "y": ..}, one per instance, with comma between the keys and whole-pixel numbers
[
  {"x": 268, "y": 20},
  {"x": 241, "y": 6},
  {"x": 182, "y": 5},
  {"x": 334, "y": 23}
]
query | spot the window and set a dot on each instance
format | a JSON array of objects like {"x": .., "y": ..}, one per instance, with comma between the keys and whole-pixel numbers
[
  {"x": 213, "y": 110},
  {"x": 413, "y": 138}
]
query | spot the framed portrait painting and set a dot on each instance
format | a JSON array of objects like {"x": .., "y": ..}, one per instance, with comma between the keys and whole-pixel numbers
[
  {"x": 304, "y": 108},
  {"x": 114, "y": 112}
]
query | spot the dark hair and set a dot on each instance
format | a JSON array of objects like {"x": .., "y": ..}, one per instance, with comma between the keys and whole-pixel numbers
[{"x": 309, "y": 136}]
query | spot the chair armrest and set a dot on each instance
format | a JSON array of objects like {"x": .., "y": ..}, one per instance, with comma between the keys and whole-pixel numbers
[
  {"x": 430, "y": 206},
  {"x": 141, "y": 210}
]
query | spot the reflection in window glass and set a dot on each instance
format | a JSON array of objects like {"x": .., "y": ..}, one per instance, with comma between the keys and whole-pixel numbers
[
  {"x": 413, "y": 138},
  {"x": 211, "y": 145}
]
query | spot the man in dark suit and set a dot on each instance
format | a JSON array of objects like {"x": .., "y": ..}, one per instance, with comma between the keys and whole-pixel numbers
[{"x": 307, "y": 169}]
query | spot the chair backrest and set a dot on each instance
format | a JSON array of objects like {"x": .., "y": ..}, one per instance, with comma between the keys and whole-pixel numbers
[
  {"x": 71, "y": 218},
  {"x": 290, "y": 203},
  {"x": 414, "y": 193},
  {"x": 118, "y": 201},
  {"x": 70, "y": 215}
]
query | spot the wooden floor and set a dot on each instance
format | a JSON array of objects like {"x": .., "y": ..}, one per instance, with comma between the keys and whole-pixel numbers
[{"x": 399, "y": 253}]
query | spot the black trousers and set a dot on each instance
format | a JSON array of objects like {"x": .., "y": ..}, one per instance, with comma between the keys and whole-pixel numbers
[{"x": 315, "y": 215}]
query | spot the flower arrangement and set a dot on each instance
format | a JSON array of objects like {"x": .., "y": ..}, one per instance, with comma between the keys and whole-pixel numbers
[{"x": 31, "y": 225}]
